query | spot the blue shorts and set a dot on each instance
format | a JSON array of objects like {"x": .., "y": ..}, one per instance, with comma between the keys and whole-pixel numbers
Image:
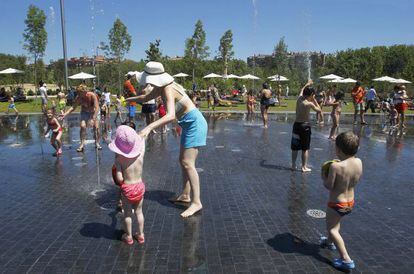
[
  {"x": 86, "y": 116},
  {"x": 12, "y": 106},
  {"x": 194, "y": 127},
  {"x": 131, "y": 111},
  {"x": 148, "y": 108}
]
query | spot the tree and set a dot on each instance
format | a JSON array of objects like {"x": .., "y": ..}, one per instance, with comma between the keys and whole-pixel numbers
[
  {"x": 35, "y": 35},
  {"x": 226, "y": 49},
  {"x": 154, "y": 52},
  {"x": 281, "y": 57},
  {"x": 195, "y": 47},
  {"x": 119, "y": 44}
]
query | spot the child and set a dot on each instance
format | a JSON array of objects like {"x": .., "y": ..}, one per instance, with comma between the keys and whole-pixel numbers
[
  {"x": 342, "y": 177},
  {"x": 61, "y": 102},
  {"x": 53, "y": 124},
  {"x": 393, "y": 115},
  {"x": 12, "y": 106},
  {"x": 335, "y": 114},
  {"x": 120, "y": 101},
  {"x": 161, "y": 113},
  {"x": 130, "y": 148}
]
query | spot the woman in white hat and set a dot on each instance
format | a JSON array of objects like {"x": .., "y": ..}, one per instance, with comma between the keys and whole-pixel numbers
[{"x": 194, "y": 127}]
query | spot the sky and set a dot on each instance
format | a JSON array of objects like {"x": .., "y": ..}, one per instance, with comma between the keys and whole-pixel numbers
[{"x": 257, "y": 25}]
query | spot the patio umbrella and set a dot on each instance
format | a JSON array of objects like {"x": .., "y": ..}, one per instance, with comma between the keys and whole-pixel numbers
[
  {"x": 278, "y": 78},
  {"x": 330, "y": 77},
  {"x": 343, "y": 81},
  {"x": 178, "y": 75},
  {"x": 11, "y": 71},
  {"x": 401, "y": 81},
  {"x": 212, "y": 75},
  {"x": 384, "y": 79},
  {"x": 249, "y": 77},
  {"x": 231, "y": 76},
  {"x": 82, "y": 76}
]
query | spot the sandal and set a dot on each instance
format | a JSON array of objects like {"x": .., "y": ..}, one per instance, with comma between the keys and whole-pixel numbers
[
  {"x": 341, "y": 264},
  {"x": 98, "y": 146},
  {"x": 127, "y": 240},
  {"x": 323, "y": 243},
  {"x": 139, "y": 238},
  {"x": 80, "y": 149}
]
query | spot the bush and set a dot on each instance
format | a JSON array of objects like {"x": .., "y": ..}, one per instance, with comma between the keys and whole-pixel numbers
[{"x": 30, "y": 92}]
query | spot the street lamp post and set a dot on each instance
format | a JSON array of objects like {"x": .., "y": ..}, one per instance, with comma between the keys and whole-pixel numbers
[{"x": 65, "y": 58}]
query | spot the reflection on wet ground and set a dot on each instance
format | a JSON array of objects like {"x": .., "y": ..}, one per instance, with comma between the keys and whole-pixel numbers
[{"x": 58, "y": 215}]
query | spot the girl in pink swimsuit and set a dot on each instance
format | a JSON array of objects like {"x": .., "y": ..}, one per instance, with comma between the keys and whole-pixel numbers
[{"x": 127, "y": 170}]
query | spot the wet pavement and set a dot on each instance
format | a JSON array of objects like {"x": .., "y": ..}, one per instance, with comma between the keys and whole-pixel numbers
[{"x": 58, "y": 215}]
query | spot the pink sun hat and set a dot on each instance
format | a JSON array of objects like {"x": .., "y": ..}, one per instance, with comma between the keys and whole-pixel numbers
[{"x": 127, "y": 142}]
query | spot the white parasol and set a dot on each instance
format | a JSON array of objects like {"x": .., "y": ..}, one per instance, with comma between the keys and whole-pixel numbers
[
  {"x": 212, "y": 75},
  {"x": 331, "y": 77},
  {"x": 178, "y": 75},
  {"x": 11, "y": 71},
  {"x": 231, "y": 76},
  {"x": 82, "y": 76},
  {"x": 249, "y": 77},
  {"x": 385, "y": 79}
]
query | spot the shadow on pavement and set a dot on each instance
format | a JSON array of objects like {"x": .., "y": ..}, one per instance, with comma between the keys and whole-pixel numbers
[
  {"x": 288, "y": 243},
  {"x": 162, "y": 197},
  {"x": 100, "y": 230},
  {"x": 277, "y": 167}
]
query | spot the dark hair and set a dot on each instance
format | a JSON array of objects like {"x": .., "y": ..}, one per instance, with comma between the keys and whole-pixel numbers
[
  {"x": 130, "y": 124},
  {"x": 358, "y": 84},
  {"x": 250, "y": 92},
  {"x": 308, "y": 91},
  {"x": 265, "y": 85},
  {"x": 348, "y": 143},
  {"x": 129, "y": 76},
  {"x": 339, "y": 96},
  {"x": 41, "y": 83},
  {"x": 372, "y": 86}
]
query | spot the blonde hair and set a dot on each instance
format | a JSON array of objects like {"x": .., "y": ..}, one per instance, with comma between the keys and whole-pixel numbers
[{"x": 81, "y": 88}]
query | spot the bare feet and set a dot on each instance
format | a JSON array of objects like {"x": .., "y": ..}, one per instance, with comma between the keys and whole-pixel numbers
[
  {"x": 194, "y": 208},
  {"x": 306, "y": 169},
  {"x": 180, "y": 199}
]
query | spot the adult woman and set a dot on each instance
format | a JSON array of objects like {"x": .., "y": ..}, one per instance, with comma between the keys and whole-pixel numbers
[
  {"x": 194, "y": 127},
  {"x": 399, "y": 100},
  {"x": 265, "y": 102}
]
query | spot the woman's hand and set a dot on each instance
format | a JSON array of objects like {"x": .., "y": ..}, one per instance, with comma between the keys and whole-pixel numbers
[{"x": 145, "y": 132}]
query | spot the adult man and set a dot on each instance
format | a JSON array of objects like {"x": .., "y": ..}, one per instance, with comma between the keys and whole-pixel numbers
[
  {"x": 129, "y": 91},
  {"x": 301, "y": 134},
  {"x": 43, "y": 95},
  {"x": 371, "y": 98},
  {"x": 88, "y": 101},
  {"x": 358, "y": 94}
]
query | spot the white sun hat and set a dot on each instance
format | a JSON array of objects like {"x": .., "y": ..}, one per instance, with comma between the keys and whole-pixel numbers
[{"x": 154, "y": 74}]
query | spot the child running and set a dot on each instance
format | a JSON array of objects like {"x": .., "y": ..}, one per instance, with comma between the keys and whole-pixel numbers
[
  {"x": 341, "y": 180},
  {"x": 12, "y": 106},
  {"x": 336, "y": 113},
  {"x": 54, "y": 125},
  {"x": 129, "y": 158}
]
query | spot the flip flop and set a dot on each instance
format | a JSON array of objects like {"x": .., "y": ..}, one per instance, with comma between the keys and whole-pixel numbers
[
  {"x": 139, "y": 238},
  {"x": 341, "y": 264},
  {"x": 127, "y": 240},
  {"x": 80, "y": 149}
]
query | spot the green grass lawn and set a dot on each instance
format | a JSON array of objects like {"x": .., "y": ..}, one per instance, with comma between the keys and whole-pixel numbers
[{"x": 34, "y": 107}]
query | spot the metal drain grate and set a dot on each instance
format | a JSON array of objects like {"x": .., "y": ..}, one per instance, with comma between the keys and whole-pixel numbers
[
  {"x": 316, "y": 213},
  {"x": 111, "y": 205}
]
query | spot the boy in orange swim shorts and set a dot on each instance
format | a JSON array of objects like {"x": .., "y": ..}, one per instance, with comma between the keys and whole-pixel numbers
[
  {"x": 341, "y": 180},
  {"x": 130, "y": 148}
]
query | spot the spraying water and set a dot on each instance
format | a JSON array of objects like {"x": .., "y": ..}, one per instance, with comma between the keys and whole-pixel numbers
[{"x": 306, "y": 25}]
